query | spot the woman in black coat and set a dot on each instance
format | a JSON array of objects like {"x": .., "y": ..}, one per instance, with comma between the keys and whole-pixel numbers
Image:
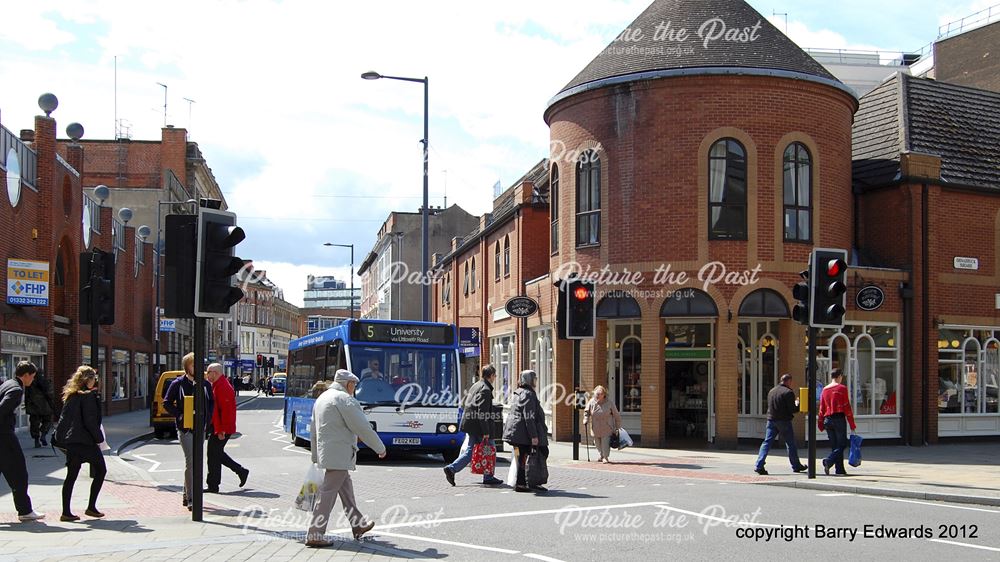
[
  {"x": 79, "y": 431},
  {"x": 525, "y": 428}
]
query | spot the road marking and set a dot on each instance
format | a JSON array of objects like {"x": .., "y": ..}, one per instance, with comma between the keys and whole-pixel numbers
[
  {"x": 834, "y": 495},
  {"x": 933, "y": 504},
  {"x": 415, "y": 498},
  {"x": 156, "y": 465},
  {"x": 452, "y": 543},
  {"x": 620, "y": 486},
  {"x": 990, "y": 548},
  {"x": 459, "y": 495},
  {"x": 369, "y": 501},
  {"x": 584, "y": 488},
  {"x": 541, "y": 557}
]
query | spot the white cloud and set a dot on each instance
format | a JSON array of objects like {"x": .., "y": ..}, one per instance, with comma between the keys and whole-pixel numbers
[{"x": 291, "y": 278}]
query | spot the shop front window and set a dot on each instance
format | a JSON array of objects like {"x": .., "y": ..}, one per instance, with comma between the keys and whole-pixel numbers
[
  {"x": 968, "y": 370},
  {"x": 503, "y": 360},
  {"x": 117, "y": 385},
  {"x": 541, "y": 362},
  {"x": 141, "y": 375},
  {"x": 868, "y": 355}
]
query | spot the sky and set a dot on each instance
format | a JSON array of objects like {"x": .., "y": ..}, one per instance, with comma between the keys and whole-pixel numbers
[{"x": 305, "y": 151}]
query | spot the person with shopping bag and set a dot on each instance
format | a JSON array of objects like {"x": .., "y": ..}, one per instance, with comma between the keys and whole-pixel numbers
[
  {"x": 834, "y": 415},
  {"x": 337, "y": 423},
  {"x": 603, "y": 420},
  {"x": 478, "y": 417},
  {"x": 173, "y": 403},
  {"x": 525, "y": 430},
  {"x": 80, "y": 434}
]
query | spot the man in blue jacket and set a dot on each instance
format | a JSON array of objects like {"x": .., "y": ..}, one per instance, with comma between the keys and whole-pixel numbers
[
  {"x": 12, "y": 463},
  {"x": 173, "y": 402}
]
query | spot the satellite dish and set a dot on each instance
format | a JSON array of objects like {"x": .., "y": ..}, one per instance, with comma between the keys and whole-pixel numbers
[
  {"x": 102, "y": 192},
  {"x": 144, "y": 232},
  {"x": 48, "y": 103},
  {"x": 125, "y": 214},
  {"x": 74, "y": 131}
]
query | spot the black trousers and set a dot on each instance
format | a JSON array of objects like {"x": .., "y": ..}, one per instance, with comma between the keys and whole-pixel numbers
[
  {"x": 39, "y": 425},
  {"x": 15, "y": 471},
  {"x": 76, "y": 456},
  {"x": 217, "y": 457}
]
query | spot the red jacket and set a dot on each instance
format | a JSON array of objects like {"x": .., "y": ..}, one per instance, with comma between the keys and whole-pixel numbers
[
  {"x": 224, "y": 412},
  {"x": 835, "y": 400}
]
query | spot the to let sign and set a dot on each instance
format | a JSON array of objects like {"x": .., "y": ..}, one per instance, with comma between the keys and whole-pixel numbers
[
  {"x": 521, "y": 307},
  {"x": 27, "y": 282},
  {"x": 967, "y": 263}
]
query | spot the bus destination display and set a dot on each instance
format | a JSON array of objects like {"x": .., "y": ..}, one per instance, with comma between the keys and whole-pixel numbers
[{"x": 402, "y": 333}]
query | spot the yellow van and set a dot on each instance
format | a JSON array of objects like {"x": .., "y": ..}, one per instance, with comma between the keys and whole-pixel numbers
[{"x": 160, "y": 419}]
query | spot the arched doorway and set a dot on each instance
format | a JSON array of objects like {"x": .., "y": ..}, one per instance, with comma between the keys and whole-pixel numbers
[
  {"x": 757, "y": 369},
  {"x": 689, "y": 317},
  {"x": 624, "y": 362}
]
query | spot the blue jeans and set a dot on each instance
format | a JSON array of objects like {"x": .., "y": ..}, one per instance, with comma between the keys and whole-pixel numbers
[
  {"x": 465, "y": 457},
  {"x": 836, "y": 430},
  {"x": 775, "y": 428}
]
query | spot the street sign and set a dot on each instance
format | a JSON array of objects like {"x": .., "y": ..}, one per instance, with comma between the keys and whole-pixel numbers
[
  {"x": 27, "y": 282},
  {"x": 468, "y": 337},
  {"x": 870, "y": 298},
  {"x": 521, "y": 307},
  {"x": 168, "y": 325}
]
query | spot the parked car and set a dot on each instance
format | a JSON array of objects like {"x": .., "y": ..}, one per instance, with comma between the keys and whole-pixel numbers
[
  {"x": 278, "y": 383},
  {"x": 161, "y": 420}
]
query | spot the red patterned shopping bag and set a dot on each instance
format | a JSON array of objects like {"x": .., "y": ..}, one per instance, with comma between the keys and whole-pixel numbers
[{"x": 484, "y": 458}]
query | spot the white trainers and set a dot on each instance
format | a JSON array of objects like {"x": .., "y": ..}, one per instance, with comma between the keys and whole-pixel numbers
[{"x": 33, "y": 516}]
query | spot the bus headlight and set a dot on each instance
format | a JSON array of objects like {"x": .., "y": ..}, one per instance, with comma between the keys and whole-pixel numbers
[
  {"x": 447, "y": 428},
  {"x": 452, "y": 428}
]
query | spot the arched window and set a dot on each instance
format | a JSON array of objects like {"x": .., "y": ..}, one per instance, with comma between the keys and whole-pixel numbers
[
  {"x": 554, "y": 209},
  {"x": 798, "y": 193},
  {"x": 689, "y": 303},
  {"x": 472, "y": 280},
  {"x": 465, "y": 282},
  {"x": 764, "y": 303},
  {"x": 727, "y": 191},
  {"x": 506, "y": 255},
  {"x": 588, "y": 199},
  {"x": 618, "y": 304},
  {"x": 496, "y": 261}
]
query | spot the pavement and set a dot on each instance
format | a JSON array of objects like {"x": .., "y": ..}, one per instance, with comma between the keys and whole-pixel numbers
[{"x": 145, "y": 520}]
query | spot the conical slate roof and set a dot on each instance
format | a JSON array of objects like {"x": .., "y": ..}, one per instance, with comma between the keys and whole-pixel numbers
[{"x": 697, "y": 36}]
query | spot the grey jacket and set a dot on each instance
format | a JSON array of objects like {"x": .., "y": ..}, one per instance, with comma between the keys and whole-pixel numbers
[
  {"x": 526, "y": 420},
  {"x": 337, "y": 422}
]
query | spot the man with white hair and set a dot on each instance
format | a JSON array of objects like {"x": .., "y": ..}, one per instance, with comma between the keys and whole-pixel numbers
[
  {"x": 223, "y": 427},
  {"x": 337, "y": 423}
]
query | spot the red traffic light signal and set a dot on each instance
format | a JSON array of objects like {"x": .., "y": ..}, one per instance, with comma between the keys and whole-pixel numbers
[
  {"x": 581, "y": 293},
  {"x": 828, "y": 288},
  {"x": 834, "y": 267},
  {"x": 260, "y": 360}
]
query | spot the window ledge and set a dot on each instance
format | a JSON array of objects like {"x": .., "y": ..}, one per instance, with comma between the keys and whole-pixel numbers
[{"x": 585, "y": 246}]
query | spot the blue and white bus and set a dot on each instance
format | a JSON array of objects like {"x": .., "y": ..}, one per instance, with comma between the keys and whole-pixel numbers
[{"x": 409, "y": 384}]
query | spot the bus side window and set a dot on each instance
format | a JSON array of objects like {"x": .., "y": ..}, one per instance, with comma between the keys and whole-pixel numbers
[{"x": 341, "y": 358}]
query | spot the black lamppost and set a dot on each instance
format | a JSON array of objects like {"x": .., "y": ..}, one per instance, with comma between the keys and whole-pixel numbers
[
  {"x": 351, "y": 246},
  {"x": 424, "y": 251}
]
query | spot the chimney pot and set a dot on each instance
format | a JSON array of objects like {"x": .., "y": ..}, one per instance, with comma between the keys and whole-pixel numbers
[{"x": 28, "y": 135}]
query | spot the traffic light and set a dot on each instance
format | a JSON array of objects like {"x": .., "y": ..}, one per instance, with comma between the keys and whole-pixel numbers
[
  {"x": 260, "y": 360},
  {"x": 180, "y": 241},
  {"x": 800, "y": 313},
  {"x": 580, "y": 311},
  {"x": 97, "y": 273},
  {"x": 215, "y": 290},
  {"x": 828, "y": 278}
]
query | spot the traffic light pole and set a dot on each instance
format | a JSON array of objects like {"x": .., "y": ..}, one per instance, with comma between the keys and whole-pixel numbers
[
  {"x": 811, "y": 377},
  {"x": 198, "y": 450},
  {"x": 576, "y": 410}
]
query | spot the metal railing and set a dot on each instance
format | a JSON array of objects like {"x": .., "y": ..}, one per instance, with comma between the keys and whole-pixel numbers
[
  {"x": 26, "y": 157},
  {"x": 117, "y": 235},
  {"x": 970, "y": 22},
  {"x": 94, "y": 209},
  {"x": 861, "y": 57}
]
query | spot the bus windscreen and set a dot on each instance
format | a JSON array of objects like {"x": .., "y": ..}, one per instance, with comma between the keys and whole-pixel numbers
[{"x": 405, "y": 375}]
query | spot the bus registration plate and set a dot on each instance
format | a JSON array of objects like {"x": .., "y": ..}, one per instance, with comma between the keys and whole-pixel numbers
[{"x": 405, "y": 440}]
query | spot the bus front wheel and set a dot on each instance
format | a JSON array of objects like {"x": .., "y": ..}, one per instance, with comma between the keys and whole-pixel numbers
[
  {"x": 296, "y": 440},
  {"x": 450, "y": 455}
]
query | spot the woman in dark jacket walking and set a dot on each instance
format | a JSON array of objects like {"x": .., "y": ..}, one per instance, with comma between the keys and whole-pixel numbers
[
  {"x": 79, "y": 430},
  {"x": 525, "y": 428}
]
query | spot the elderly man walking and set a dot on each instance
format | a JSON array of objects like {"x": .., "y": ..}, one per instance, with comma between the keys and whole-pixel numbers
[
  {"x": 337, "y": 423},
  {"x": 223, "y": 428}
]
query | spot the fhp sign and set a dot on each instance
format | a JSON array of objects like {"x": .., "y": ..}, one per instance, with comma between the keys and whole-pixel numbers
[
  {"x": 168, "y": 325},
  {"x": 27, "y": 282}
]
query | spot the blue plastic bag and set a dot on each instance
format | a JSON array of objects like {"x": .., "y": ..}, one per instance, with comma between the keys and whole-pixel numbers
[{"x": 854, "y": 458}]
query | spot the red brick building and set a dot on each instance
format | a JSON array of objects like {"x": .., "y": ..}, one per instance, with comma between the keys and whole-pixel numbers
[
  {"x": 692, "y": 177},
  {"x": 49, "y": 220}
]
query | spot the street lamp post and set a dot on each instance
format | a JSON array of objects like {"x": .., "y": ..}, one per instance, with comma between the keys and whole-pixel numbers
[
  {"x": 351, "y": 246},
  {"x": 424, "y": 243}
]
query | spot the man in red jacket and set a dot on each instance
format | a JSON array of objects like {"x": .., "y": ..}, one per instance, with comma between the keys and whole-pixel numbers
[
  {"x": 834, "y": 415},
  {"x": 223, "y": 427}
]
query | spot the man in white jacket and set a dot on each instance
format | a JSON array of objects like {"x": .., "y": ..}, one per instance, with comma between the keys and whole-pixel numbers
[{"x": 337, "y": 423}]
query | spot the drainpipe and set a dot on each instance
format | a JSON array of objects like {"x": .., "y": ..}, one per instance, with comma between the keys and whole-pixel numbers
[
  {"x": 925, "y": 295},
  {"x": 906, "y": 294}
]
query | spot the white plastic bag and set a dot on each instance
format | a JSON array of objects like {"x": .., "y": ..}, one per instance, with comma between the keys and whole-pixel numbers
[
  {"x": 623, "y": 439},
  {"x": 104, "y": 444},
  {"x": 309, "y": 493},
  {"x": 512, "y": 473}
]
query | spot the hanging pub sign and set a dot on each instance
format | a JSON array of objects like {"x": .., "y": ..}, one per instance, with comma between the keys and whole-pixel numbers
[
  {"x": 521, "y": 307},
  {"x": 870, "y": 298}
]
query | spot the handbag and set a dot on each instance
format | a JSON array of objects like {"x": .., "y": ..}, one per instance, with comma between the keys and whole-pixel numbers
[
  {"x": 484, "y": 458},
  {"x": 854, "y": 457},
  {"x": 537, "y": 473},
  {"x": 615, "y": 440},
  {"x": 309, "y": 492}
]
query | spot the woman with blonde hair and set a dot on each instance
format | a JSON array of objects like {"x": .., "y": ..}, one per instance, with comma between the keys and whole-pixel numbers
[
  {"x": 79, "y": 431},
  {"x": 604, "y": 420}
]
